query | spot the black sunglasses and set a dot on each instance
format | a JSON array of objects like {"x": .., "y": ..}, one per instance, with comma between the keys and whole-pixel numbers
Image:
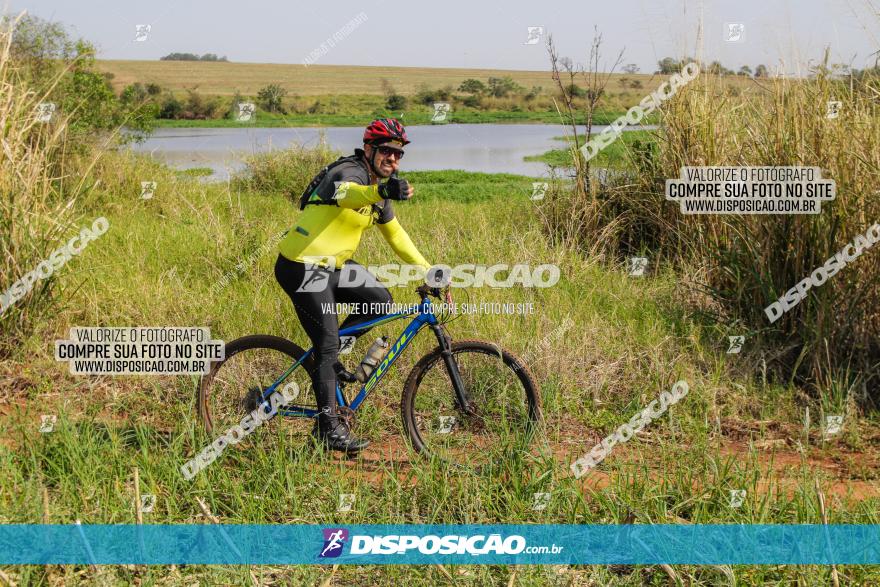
[{"x": 388, "y": 151}]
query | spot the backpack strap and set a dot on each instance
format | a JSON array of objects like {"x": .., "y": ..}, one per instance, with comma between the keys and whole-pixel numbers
[{"x": 307, "y": 196}]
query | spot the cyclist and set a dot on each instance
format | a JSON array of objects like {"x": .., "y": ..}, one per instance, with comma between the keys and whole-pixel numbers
[{"x": 341, "y": 202}]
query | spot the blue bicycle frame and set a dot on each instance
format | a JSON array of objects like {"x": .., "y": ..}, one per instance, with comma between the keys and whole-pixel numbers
[{"x": 424, "y": 317}]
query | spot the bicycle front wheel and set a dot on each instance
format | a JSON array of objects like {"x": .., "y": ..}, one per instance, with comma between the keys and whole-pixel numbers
[{"x": 500, "y": 418}]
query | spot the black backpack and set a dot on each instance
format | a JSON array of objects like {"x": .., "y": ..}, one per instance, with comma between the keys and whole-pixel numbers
[{"x": 304, "y": 198}]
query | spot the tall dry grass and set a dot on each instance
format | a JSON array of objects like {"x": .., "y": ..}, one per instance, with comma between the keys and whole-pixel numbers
[
  {"x": 38, "y": 188},
  {"x": 745, "y": 262}
]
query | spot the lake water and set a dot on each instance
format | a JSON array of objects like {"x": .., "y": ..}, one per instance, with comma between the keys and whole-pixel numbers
[{"x": 490, "y": 148}]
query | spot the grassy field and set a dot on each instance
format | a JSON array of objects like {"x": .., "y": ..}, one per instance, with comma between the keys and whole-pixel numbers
[
  {"x": 413, "y": 115},
  {"x": 623, "y": 341},
  {"x": 336, "y": 95},
  {"x": 224, "y": 79}
]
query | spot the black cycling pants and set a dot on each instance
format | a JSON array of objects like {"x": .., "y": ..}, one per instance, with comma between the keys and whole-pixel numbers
[{"x": 316, "y": 308}]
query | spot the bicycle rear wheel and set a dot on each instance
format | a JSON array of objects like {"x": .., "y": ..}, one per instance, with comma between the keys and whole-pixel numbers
[
  {"x": 500, "y": 419},
  {"x": 235, "y": 386}
]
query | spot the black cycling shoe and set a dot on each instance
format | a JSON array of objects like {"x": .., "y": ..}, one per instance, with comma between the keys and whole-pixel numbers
[
  {"x": 343, "y": 374},
  {"x": 331, "y": 431}
]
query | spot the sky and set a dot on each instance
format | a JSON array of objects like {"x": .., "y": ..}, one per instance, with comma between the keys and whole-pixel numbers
[{"x": 785, "y": 34}]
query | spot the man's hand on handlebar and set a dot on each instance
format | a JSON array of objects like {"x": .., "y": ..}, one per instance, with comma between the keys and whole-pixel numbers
[{"x": 444, "y": 293}]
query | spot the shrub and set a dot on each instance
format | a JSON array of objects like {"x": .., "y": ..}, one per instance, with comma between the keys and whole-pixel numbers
[
  {"x": 472, "y": 101},
  {"x": 472, "y": 86},
  {"x": 270, "y": 98},
  {"x": 286, "y": 171},
  {"x": 395, "y": 102}
]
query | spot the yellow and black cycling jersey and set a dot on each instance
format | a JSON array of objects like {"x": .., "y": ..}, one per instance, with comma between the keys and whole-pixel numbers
[{"x": 339, "y": 210}]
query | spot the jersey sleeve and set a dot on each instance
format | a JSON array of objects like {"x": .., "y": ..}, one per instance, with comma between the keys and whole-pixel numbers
[
  {"x": 400, "y": 242},
  {"x": 386, "y": 215},
  {"x": 351, "y": 188}
]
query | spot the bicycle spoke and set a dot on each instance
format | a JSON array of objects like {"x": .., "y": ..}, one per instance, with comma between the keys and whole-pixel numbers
[{"x": 495, "y": 421}]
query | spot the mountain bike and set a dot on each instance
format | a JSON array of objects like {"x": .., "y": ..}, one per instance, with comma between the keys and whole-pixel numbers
[{"x": 466, "y": 402}]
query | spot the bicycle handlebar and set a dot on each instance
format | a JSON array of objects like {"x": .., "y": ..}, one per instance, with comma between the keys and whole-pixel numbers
[
  {"x": 424, "y": 290},
  {"x": 439, "y": 293}
]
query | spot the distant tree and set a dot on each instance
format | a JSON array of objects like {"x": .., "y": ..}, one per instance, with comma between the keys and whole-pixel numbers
[
  {"x": 500, "y": 87},
  {"x": 717, "y": 69},
  {"x": 425, "y": 95},
  {"x": 170, "y": 108},
  {"x": 576, "y": 91},
  {"x": 761, "y": 71},
  {"x": 271, "y": 97},
  {"x": 62, "y": 69},
  {"x": 745, "y": 70},
  {"x": 180, "y": 57},
  {"x": 668, "y": 66},
  {"x": 631, "y": 68},
  {"x": 393, "y": 100},
  {"x": 134, "y": 93},
  {"x": 39, "y": 44},
  {"x": 472, "y": 86},
  {"x": 192, "y": 57}
]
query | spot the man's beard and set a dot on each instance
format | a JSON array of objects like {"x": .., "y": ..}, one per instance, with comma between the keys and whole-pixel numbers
[{"x": 381, "y": 173}]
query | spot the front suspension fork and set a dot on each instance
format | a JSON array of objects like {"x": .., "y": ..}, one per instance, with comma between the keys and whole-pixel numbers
[{"x": 462, "y": 398}]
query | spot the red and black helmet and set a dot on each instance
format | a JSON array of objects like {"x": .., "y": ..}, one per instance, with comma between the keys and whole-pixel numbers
[{"x": 383, "y": 130}]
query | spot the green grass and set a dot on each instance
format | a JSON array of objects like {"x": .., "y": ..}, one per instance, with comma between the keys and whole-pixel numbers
[
  {"x": 629, "y": 339},
  {"x": 362, "y": 116},
  {"x": 616, "y": 155}
]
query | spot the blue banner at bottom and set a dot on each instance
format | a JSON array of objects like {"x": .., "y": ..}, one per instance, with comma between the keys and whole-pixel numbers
[{"x": 430, "y": 544}]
